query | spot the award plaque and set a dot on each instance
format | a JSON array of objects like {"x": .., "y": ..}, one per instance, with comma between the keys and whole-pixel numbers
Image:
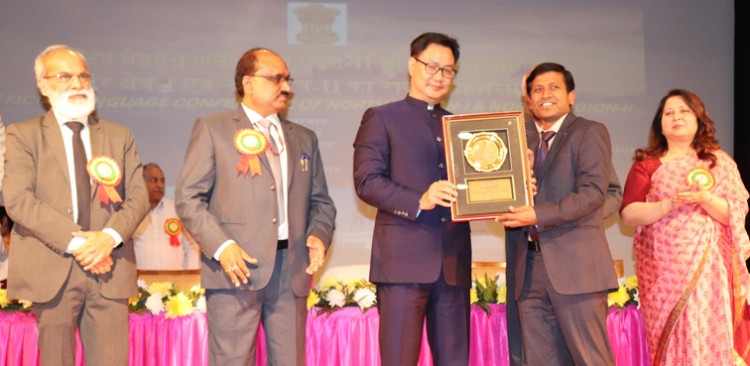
[{"x": 487, "y": 161}]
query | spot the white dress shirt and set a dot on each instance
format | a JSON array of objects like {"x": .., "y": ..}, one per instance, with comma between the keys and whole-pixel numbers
[
  {"x": 67, "y": 135},
  {"x": 283, "y": 228},
  {"x": 153, "y": 249}
]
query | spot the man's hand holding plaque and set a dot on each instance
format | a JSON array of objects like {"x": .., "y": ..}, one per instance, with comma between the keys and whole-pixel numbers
[{"x": 440, "y": 193}]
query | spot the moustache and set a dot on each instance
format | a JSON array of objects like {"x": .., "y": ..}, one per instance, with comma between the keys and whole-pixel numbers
[{"x": 87, "y": 93}]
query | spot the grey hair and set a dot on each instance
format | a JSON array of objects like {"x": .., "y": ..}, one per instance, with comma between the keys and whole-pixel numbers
[
  {"x": 151, "y": 165},
  {"x": 39, "y": 65}
]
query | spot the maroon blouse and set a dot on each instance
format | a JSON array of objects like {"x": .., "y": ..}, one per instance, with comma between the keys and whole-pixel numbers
[{"x": 639, "y": 181}]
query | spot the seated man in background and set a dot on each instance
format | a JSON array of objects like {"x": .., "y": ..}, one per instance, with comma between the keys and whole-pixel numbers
[{"x": 161, "y": 243}]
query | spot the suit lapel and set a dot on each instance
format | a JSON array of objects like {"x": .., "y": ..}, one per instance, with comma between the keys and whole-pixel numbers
[
  {"x": 241, "y": 122},
  {"x": 532, "y": 141},
  {"x": 292, "y": 149},
  {"x": 557, "y": 144},
  {"x": 53, "y": 137},
  {"x": 97, "y": 137},
  {"x": 559, "y": 140}
]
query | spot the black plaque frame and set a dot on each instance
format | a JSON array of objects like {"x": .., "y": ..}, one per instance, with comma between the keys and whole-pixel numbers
[{"x": 482, "y": 194}]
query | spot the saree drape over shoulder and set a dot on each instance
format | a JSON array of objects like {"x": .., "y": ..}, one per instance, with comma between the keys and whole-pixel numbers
[{"x": 692, "y": 278}]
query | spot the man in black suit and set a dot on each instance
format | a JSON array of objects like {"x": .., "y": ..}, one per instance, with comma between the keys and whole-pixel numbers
[{"x": 421, "y": 262}]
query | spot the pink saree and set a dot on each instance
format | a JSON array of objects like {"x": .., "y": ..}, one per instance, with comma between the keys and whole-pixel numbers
[{"x": 692, "y": 279}]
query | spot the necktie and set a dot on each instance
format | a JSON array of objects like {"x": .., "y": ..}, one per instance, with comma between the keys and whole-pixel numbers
[
  {"x": 543, "y": 150},
  {"x": 274, "y": 158},
  {"x": 83, "y": 184},
  {"x": 544, "y": 147}
]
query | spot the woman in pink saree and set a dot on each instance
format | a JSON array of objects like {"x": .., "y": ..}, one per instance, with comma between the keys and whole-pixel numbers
[{"x": 688, "y": 202}]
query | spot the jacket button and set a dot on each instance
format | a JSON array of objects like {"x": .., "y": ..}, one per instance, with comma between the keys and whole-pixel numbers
[
  {"x": 443, "y": 219},
  {"x": 273, "y": 220}
]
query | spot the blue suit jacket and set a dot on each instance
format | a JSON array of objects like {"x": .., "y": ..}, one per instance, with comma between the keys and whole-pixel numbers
[{"x": 398, "y": 153}]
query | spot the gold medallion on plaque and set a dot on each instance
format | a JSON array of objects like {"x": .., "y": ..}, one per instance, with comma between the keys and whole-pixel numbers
[{"x": 485, "y": 151}]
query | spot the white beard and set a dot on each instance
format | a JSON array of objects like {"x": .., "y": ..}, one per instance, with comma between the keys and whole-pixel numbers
[{"x": 64, "y": 106}]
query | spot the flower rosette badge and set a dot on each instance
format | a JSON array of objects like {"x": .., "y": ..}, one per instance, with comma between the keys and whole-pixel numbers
[
  {"x": 105, "y": 172},
  {"x": 250, "y": 143},
  {"x": 173, "y": 228},
  {"x": 702, "y": 177}
]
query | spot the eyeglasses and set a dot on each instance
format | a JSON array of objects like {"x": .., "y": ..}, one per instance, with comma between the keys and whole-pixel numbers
[
  {"x": 66, "y": 78},
  {"x": 277, "y": 79},
  {"x": 432, "y": 69}
]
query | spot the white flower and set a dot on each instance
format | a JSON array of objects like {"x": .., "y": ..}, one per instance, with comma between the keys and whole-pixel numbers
[
  {"x": 201, "y": 304},
  {"x": 365, "y": 298},
  {"x": 500, "y": 279},
  {"x": 336, "y": 298},
  {"x": 154, "y": 303},
  {"x": 142, "y": 284}
]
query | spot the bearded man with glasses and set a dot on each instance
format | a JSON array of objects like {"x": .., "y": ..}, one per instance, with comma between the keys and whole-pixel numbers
[
  {"x": 421, "y": 261},
  {"x": 81, "y": 243}
]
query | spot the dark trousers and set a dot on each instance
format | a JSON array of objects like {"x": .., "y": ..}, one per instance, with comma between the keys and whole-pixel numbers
[
  {"x": 403, "y": 309},
  {"x": 561, "y": 329}
]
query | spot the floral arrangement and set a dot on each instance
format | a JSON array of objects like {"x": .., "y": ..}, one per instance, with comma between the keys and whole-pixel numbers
[
  {"x": 626, "y": 294},
  {"x": 161, "y": 297},
  {"x": 7, "y": 304},
  {"x": 488, "y": 290},
  {"x": 333, "y": 294}
]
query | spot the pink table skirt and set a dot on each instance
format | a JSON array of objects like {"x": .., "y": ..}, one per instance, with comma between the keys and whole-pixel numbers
[{"x": 345, "y": 337}]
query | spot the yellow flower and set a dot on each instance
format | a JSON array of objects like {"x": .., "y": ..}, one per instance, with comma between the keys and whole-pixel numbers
[
  {"x": 502, "y": 293},
  {"x": 133, "y": 301},
  {"x": 4, "y": 299},
  {"x": 631, "y": 282},
  {"x": 352, "y": 283},
  {"x": 473, "y": 298},
  {"x": 198, "y": 290},
  {"x": 178, "y": 305},
  {"x": 618, "y": 298},
  {"x": 312, "y": 299},
  {"x": 330, "y": 282},
  {"x": 160, "y": 287},
  {"x": 25, "y": 303}
]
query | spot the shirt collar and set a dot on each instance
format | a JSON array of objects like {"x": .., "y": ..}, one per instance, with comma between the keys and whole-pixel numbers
[
  {"x": 555, "y": 127},
  {"x": 61, "y": 121},
  {"x": 421, "y": 103},
  {"x": 255, "y": 117},
  {"x": 159, "y": 206}
]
